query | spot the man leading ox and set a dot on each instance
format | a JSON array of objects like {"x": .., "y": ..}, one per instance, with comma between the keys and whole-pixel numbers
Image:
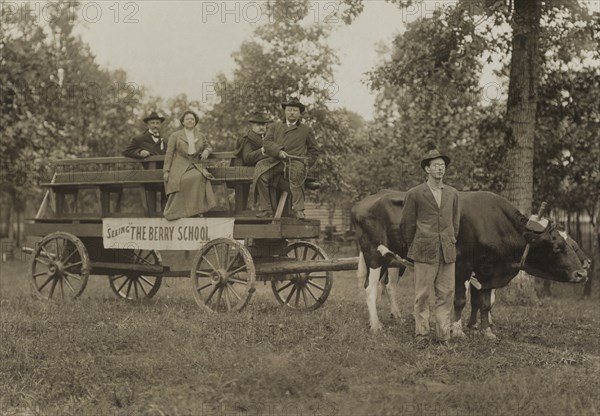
[{"x": 429, "y": 226}]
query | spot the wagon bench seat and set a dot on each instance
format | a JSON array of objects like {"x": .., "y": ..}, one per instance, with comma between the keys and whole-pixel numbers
[
  {"x": 135, "y": 177},
  {"x": 109, "y": 176}
]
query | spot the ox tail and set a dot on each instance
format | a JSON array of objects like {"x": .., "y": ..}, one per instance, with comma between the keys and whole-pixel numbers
[{"x": 362, "y": 272}]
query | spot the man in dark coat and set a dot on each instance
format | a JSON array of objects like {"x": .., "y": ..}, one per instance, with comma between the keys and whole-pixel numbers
[
  {"x": 429, "y": 226},
  {"x": 249, "y": 147},
  {"x": 283, "y": 141},
  {"x": 148, "y": 143}
]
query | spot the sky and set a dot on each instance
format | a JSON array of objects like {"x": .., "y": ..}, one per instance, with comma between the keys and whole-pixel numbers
[{"x": 178, "y": 47}]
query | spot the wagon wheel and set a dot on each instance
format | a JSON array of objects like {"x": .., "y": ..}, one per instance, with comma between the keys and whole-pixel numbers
[
  {"x": 223, "y": 276},
  {"x": 304, "y": 291},
  {"x": 60, "y": 266},
  {"x": 135, "y": 286}
]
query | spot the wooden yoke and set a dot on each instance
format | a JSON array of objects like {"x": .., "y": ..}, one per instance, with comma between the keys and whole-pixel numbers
[{"x": 526, "y": 251}]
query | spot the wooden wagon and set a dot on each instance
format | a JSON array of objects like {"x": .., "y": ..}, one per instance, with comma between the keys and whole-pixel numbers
[{"x": 84, "y": 209}]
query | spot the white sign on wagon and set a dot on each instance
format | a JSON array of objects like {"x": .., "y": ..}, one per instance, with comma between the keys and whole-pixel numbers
[{"x": 160, "y": 234}]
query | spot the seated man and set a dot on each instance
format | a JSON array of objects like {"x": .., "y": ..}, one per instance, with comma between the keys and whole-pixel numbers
[
  {"x": 282, "y": 142},
  {"x": 148, "y": 143},
  {"x": 249, "y": 147}
]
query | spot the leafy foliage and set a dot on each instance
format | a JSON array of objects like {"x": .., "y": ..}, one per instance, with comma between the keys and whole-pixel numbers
[
  {"x": 57, "y": 102},
  {"x": 286, "y": 57},
  {"x": 429, "y": 95}
]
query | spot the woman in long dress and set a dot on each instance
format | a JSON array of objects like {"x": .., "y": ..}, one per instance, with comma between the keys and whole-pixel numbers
[{"x": 187, "y": 182}]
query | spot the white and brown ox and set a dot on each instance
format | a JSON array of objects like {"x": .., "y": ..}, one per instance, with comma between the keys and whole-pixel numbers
[{"x": 491, "y": 241}]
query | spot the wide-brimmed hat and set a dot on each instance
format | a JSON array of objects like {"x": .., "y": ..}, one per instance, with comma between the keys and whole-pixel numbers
[
  {"x": 294, "y": 102},
  {"x": 433, "y": 154},
  {"x": 258, "y": 118},
  {"x": 154, "y": 116}
]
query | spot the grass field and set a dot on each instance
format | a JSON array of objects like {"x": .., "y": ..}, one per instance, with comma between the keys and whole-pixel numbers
[{"x": 101, "y": 356}]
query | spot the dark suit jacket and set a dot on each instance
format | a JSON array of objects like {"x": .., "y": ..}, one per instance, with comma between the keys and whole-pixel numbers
[
  {"x": 297, "y": 140},
  {"x": 249, "y": 149},
  {"x": 177, "y": 161},
  {"x": 141, "y": 142},
  {"x": 425, "y": 227}
]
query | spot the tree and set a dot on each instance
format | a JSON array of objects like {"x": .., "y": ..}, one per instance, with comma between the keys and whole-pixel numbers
[
  {"x": 523, "y": 72},
  {"x": 522, "y": 101},
  {"x": 287, "y": 56},
  {"x": 56, "y": 102},
  {"x": 429, "y": 95},
  {"x": 568, "y": 122}
]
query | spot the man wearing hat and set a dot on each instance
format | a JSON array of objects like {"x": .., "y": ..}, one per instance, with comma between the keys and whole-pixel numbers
[
  {"x": 249, "y": 148},
  {"x": 429, "y": 227},
  {"x": 150, "y": 142},
  {"x": 285, "y": 139}
]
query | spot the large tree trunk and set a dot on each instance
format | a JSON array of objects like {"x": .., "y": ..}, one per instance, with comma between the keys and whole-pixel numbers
[
  {"x": 521, "y": 116},
  {"x": 522, "y": 102}
]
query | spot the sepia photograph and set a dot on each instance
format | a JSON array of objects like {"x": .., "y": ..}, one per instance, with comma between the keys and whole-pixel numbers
[{"x": 299, "y": 208}]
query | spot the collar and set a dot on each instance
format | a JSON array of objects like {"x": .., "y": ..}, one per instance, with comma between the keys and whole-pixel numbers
[
  {"x": 434, "y": 187},
  {"x": 292, "y": 124},
  {"x": 189, "y": 134},
  {"x": 255, "y": 137}
]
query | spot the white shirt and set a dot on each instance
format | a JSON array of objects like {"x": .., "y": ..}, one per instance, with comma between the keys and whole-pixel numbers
[
  {"x": 156, "y": 139},
  {"x": 191, "y": 138},
  {"x": 437, "y": 193}
]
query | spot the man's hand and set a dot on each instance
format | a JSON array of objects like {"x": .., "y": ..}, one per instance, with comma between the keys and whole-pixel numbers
[
  {"x": 166, "y": 176},
  {"x": 144, "y": 153},
  {"x": 205, "y": 155},
  {"x": 282, "y": 155}
]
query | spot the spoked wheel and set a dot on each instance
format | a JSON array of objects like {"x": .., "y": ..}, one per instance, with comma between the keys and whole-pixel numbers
[
  {"x": 223, "y": 276},
  {"x": 133, "y": 285},
  {"x": 304, "y": 291},
  {"x": 60, "y": 267}
]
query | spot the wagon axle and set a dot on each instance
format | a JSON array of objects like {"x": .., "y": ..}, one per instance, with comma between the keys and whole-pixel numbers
[
  {"x": 219, "y": 277},
  {"x": 56, "y": 269}
]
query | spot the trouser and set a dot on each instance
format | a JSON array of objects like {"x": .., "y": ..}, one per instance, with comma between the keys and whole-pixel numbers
[
  {"x": 274, "y": 177},
  {"x": 438, "y": 276}
]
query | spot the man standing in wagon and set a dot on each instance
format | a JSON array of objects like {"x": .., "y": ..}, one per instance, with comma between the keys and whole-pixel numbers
[{"x": 283, "y": 140}]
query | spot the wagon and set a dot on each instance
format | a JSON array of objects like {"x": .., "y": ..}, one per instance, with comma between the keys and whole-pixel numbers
[{"x": 87, "y": 229}]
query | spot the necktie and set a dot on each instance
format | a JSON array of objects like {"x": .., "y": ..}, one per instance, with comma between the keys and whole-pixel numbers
[{"x": 157, "y": 139}]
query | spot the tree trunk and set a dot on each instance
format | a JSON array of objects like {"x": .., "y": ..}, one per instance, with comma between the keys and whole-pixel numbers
[
  {"x": 20, "y": 215},
  {"x": 330, "y": 213},
  {"x": 594, "y": 253},
  {"x": 11, "y": 216},
  {"x": 5, "y": 209},
  {"x": 521, "y": 114}
]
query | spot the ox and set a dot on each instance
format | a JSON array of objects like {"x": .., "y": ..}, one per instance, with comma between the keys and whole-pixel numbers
[{"x": 491, "y": 241}]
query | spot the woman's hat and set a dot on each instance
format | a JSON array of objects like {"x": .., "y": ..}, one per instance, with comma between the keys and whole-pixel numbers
[
  {"x": 294, "y": 102},
  {"x": 433, "y": 154},
  {"x": 154, "y": 116}
]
